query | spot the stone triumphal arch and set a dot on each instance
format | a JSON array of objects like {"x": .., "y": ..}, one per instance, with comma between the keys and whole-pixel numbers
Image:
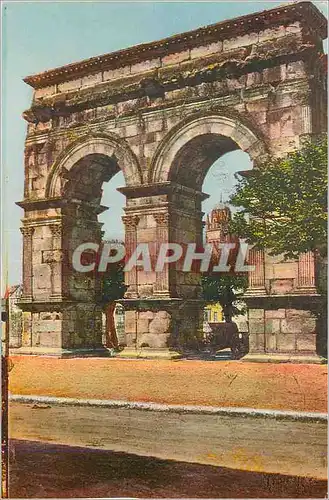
[{"x": 162, "y": 113}]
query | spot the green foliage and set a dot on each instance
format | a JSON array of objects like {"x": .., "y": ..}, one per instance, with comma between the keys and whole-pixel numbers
[
  {"x": 225, "y": 289},
  {"x": 113, "y": 281},
  {"x": 113, "y": 287},
  {"x": 286, "y": 203}
]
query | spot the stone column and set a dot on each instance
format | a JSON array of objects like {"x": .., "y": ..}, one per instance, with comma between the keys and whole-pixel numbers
[
  {"x": 256, "y": 277},
  {"x": 27, "y": 232},
  {"x": 131, "y": 222},
  {"x": 161, "y": 287},
  {"x": 56, "y": 262},
  {"x": 306, "y": 273},
  {"x": 306, "y": 119}
]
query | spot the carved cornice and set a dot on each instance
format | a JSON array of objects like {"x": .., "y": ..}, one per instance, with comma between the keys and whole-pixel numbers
[
  {"x": 40, "y": 204},
  {"x": 231, "y": 64},
  {"x": 305, "y": 12}
]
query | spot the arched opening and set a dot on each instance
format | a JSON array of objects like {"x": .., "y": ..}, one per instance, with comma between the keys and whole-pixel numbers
[
  {"x": 205, "y": 168},
  {"x": 113, "y": 231},
  {"x": 86, "y": 222},
  {"x": 193, "y": 160},
  {"x": 220, "y": 180},
  {"x": 76, "y": 184},
  {"x": 190, "y": 158},
  {"x": 224, "y": 313},
  {"x": 111, "y": 219}
]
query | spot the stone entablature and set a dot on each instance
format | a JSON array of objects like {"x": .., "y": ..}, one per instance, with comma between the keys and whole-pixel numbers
[
  {"x": 226, "y": 34},
  {"x": 162, "y": 113}
]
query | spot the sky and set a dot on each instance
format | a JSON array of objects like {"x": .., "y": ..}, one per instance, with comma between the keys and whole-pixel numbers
[{"x": 37, "y": 36}]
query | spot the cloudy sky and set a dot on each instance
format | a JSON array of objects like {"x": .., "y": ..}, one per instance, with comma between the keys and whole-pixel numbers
[{"x": 42, "y": 35}]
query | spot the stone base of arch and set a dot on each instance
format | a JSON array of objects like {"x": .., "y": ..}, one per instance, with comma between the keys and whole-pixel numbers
[
  {"x": 283, "y": 328},
  {"x": 166, "y": 326},
  {"x": 61, "y": 328}
]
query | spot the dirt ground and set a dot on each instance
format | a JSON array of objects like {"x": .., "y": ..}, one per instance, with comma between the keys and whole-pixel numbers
[{"x": 298, "y": 387}]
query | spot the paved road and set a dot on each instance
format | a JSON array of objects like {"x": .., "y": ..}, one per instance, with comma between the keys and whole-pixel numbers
[
  {"x": 244, "y": 443},
  {"x": 43, "y": 470}
]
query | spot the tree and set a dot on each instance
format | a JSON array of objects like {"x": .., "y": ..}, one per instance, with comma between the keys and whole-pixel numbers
[
  {"x": 112, "y": 288},
  {"x": 226, "y": 289},
  {"x": 286, "y": 203}
]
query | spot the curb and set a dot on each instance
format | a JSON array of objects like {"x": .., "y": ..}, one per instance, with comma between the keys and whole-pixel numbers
[{"x": 187, "y": 409}]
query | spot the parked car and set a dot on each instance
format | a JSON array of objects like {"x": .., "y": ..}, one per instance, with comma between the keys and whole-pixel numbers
[{"x": 223, "y": 336}]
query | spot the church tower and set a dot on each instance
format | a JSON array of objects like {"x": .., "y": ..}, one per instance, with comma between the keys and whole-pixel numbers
[{"x": 217, "y": 223}]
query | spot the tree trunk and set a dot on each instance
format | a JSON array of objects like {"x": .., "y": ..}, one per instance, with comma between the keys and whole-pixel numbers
[
  {"x": 227, "y": 311},
  {"x": 110, "y": 330}
]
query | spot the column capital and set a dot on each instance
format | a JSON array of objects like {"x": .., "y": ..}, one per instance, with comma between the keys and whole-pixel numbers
[
  {"x": 130, "y": 221},
  {"x": 162, "y": 219},
  {"x": 27, "y": 230},
  {"x": 56, "y": 229}
]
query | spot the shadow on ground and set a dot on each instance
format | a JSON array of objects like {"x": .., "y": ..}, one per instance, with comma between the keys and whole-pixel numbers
[{"x": 43, "y": 470}]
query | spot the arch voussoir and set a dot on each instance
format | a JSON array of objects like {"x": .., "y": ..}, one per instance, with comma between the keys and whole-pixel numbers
[
  {"x": 109, "y": 146},
  {"x": 214, "y": 124}
]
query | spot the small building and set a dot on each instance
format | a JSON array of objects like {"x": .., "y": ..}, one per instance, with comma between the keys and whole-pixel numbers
[
  {"x": 213, "y": 313},
  {"x": 217, "y": 231}
]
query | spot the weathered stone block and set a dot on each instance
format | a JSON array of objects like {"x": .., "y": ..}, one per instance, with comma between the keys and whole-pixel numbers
[
  {"x": 295, "y": 27},
  {"x": 271, "y": 33},
  {"x": 272, "y": 325},
  {"x": 45, "y": 91},
  {"x": 260, "y": 341},
  {"x": 296, "y": 69},
  {"x": 70, "y": 85},
  {"x": 206, "y": 50},
  {"x": 256, "y": 313},
  {"x": 130, "y": 322},
  {"x": 145, "y": 290},
  {"x": 281, "y": 286},
  {"x": 271, "y": 75},
  {"x": 157, "y": 341},
  {"x": 41, "y": 276},
  {"x": 145, "y": 66},
  {"x": 40, "y": 244},
  {"x": 287, "y": 270},
  {"x": 252, "y": 342},
  {"x": 49, "y": 256},
  {"x": 155, "y": 126},
  {"x": 143, "y": 325},
  {"x": 306, "y": 342},
  {"x": 176, "y": 58},
  {"x": 131, "y": 130},
  {"x": 149, "y": 315},
  {"x": 298, "y": 325},
  {"x": 113, "y": 74},
  {"x": 276, "y": 313},
  {"x": 256, "y": 326},
  {"x": 131, "y": 339},
  {"x": 50, "y": 339},
  {"x": 92, "y": 79},
  {"x": 293, "y": 314},
  {"x": 254, "y": 79},
  {"x": 286, "y": 343},
  {"x": 240, "y": 41},
  {"x": 160, "y": 324},
  {"x": 270, "y": 342}
]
